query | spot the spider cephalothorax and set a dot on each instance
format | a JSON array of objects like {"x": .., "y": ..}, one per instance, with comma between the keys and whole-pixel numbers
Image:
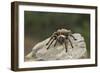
[{"x": 61, "y": 36}]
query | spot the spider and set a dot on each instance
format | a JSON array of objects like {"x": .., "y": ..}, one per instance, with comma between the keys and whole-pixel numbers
[{"x": 61, "y": 36}]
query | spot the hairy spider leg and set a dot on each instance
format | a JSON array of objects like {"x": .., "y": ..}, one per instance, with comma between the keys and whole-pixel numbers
[
  {"x": 66, "y": 44},
  {"x": 73, "y": 37},
  {"x": 49, "y": 40},
  {"x": 70, "y": 43},
  {"x": 55, "y": 43},
  {"x": 50, "y": 43}
]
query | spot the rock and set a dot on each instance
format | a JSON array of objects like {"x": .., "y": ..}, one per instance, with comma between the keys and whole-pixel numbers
[{"x": 40, "y": 52}]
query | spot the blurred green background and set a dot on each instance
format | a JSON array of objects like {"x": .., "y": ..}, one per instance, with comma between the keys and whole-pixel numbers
[{"x": 40, "y": 25}]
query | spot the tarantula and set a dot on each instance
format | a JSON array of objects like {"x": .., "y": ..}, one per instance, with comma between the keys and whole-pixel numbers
[{"x": 61, "y": 36}]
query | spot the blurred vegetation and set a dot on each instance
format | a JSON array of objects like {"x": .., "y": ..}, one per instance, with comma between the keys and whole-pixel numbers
[{"x": 40, "y": 25}]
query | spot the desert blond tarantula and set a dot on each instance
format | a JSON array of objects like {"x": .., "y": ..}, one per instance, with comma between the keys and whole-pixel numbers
[{"x": 61, "y": 36}]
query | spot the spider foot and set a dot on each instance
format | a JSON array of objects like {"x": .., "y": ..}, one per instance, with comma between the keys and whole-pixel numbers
[
  {"x": 75, "y": 39},
  {"x": 66, "y": 50},
  {"x": 72, "y": 46},
  {"x": 47, "y": 43},
  {"x": 47, "y": 48},
  {"x": 54, "y": 44}
]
